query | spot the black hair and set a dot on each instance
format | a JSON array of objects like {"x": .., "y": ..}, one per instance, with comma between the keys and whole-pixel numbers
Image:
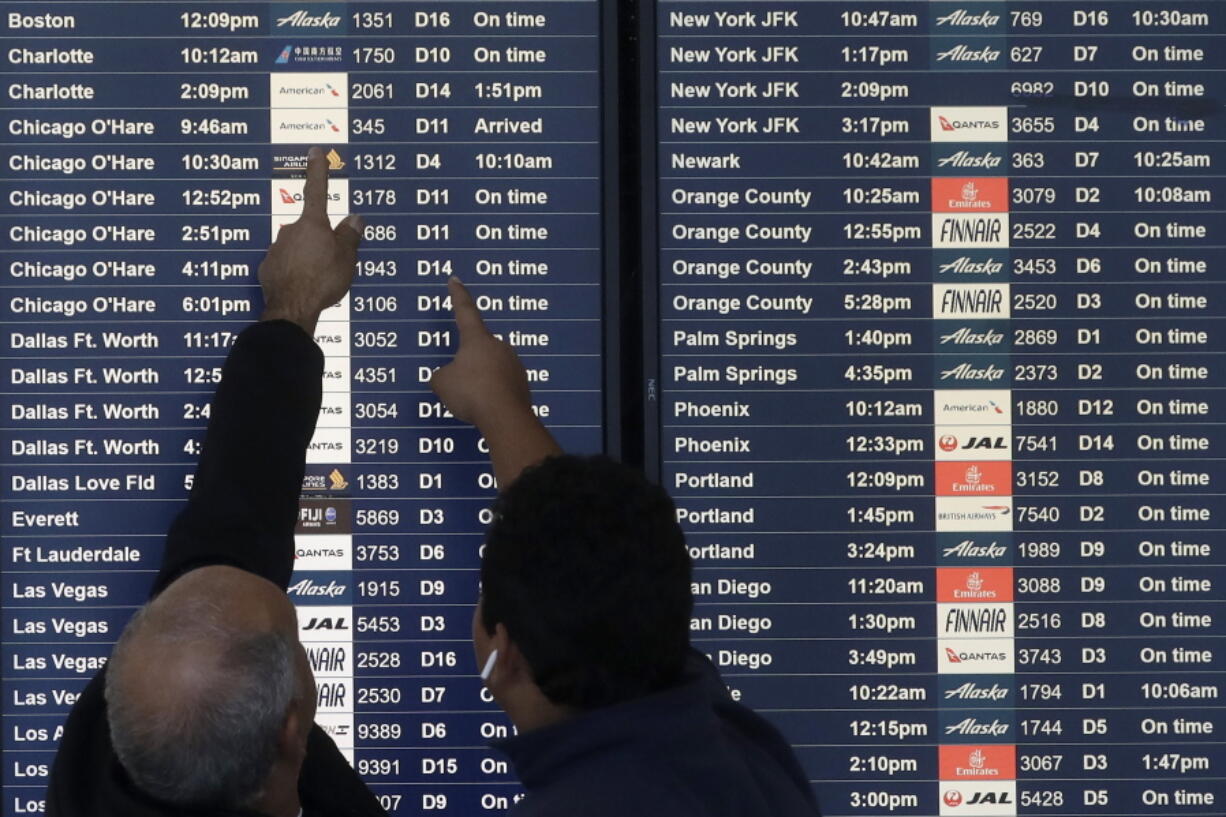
[{"x": 587, "y": 568}]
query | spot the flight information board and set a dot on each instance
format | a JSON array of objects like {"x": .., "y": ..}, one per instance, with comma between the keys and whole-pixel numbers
[
  {"x": 152, "y": 151},
  {"x": 940, "y": 393}
]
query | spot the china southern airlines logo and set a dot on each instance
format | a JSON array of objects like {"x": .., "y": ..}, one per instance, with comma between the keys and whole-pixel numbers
[{"x": 304, "y": 19}]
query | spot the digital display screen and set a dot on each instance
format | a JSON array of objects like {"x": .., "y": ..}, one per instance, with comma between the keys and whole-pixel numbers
[
  {"x": 918, "y": 303},
  {"x": 152, "y": 151},
  {"x": 939, "y": 392}
]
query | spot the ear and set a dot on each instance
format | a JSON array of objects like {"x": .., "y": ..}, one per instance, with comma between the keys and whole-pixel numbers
[
  {"x": 290, "y": 742},
  {"x": 511, "y": 661}
]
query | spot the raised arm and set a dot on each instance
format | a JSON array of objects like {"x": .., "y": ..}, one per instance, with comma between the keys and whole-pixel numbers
[
  {"x": 486, "y": 385},
  {"x": 244, "y": 496}
]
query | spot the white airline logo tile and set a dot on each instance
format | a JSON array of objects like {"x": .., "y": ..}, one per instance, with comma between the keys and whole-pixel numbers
[
  {"x": 958, "y": 514},
  {"x": 308, "y": 90},
  {"x": 974, "y": 656},
  {"x": 972, "y": 407},
  {"x": 326, "y": 551},
  {"x": 970, "y": 124}
]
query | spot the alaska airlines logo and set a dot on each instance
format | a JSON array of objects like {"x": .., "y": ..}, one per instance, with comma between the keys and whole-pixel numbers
[
  {"x": 963, "y": 265},
  {"x": 307, "y": 587},
  {"x": 970, "y": 691},
  {"x": 304, "y": 19},
  {"x": 967, "y": 549},
  {"x": 965, "y": 371},
  {"x": 964, "y": 53},
  {"x": 962, "y": 17},
  {"x": 972, "y": 726},
  {"x": 964, "y": 158}
]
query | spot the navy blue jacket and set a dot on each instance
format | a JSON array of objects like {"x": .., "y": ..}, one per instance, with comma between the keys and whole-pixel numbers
[{"x": 690, "y": 751}]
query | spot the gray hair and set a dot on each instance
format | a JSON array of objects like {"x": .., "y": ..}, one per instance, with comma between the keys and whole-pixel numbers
[{"x": 214, "y": 748}]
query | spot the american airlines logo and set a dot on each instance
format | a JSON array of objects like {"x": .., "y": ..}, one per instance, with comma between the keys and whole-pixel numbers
[
  {"x": 304, "y": 19},
  {"x": 964, "y": 18}
]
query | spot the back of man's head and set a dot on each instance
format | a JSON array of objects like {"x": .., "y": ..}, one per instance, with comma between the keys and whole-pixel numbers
[
  {"x": 586, "y": 567},
  {"x": 196, "y": 701}
]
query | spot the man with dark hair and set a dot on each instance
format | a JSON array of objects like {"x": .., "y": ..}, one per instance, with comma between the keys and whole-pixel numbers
[
  {"x": 583, "y": 626},
  {"x": 207, "y": 704}
]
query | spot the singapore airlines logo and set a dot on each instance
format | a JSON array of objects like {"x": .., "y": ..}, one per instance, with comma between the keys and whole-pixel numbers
[
  {"x": 334, "y": 160},
  {"x": 338, "y": 480}
]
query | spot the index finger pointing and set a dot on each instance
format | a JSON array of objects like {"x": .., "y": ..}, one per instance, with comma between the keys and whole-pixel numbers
[
  {"x": 315, "y": 192},
  {"x": 467, "y": 316}
]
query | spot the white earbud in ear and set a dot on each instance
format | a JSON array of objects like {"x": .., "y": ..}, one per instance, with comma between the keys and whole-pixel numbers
[{"x": 488, "y": 669}]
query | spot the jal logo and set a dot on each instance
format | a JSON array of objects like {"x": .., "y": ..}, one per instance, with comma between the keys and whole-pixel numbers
[
  {"x": 302, "y": 18},
  {"x": 953, "y": 797},
  {"x": 334, "y": 623},
  {"x": 949, "y": 442},
  {"x": 990, "y": 797}
]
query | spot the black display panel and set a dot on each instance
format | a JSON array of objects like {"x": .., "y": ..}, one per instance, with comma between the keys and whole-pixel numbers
[
  {"x": 939, "y": 389},
  {"x": 152, "y": 150}
]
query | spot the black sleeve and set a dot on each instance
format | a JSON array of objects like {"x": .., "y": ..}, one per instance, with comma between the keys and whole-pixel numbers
[
  {"x": 244, "y": 500},
  {"x": 329, "y": 787}
]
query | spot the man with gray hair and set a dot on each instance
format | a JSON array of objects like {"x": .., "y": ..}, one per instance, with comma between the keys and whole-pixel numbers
[{"x": 207, "y": 704}]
